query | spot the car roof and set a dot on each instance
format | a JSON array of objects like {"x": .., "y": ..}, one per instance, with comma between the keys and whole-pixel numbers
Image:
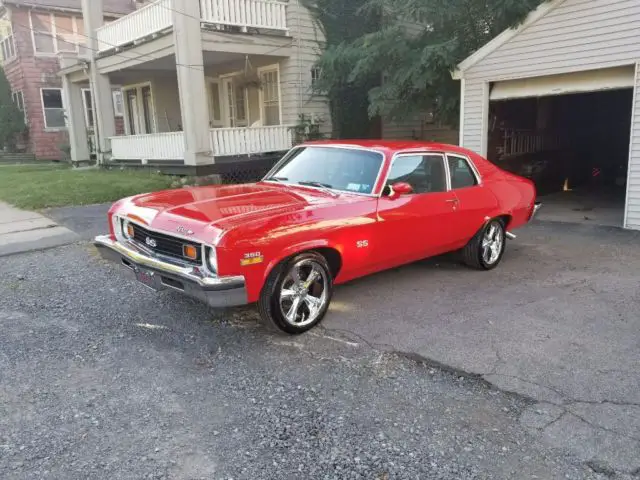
[{"x": 390, "y": 146}]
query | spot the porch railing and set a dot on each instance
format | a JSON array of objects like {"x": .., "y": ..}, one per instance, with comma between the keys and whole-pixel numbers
[
  {"x": 155, "y": 146},
  {"x": 224, "y": 142},
  {"x": 150, "y": 19},
  {"x": 267, "y": 14},
  {"x": 250, "y": 140}
]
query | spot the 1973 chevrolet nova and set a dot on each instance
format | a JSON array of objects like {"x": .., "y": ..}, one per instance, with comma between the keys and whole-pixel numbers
[{"x": 328, "y": 212}]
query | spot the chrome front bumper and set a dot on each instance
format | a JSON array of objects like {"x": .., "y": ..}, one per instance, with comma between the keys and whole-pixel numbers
[{"x": 162, "y": 275}]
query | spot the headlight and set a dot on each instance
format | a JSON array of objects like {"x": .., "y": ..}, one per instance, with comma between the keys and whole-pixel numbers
[{"x": 212, "y": 259}]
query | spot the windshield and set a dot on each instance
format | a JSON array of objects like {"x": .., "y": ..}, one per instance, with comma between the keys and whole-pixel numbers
[{"x": 345, "y": 169}]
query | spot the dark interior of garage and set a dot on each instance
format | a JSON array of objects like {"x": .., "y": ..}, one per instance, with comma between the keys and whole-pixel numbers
[{"x": 576, "y": 143}]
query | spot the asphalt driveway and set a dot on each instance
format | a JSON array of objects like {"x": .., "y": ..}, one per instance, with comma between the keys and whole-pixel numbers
[
  {"x": 557, "y": 324},
  {"x": 103, "y": 379},
  {"x": 558, "y": 321}
]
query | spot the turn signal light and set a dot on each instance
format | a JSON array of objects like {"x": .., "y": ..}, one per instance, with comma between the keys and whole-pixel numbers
[
  {"x": 130, "y": 232},
  {"x": 190, "y": 252}
]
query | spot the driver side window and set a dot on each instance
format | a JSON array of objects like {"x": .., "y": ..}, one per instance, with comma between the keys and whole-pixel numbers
[{"x": 425, "y": 173}]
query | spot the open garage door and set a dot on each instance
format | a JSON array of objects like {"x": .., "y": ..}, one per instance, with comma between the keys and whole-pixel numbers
[
  {"x": 591, "y": 81},
  {"x": 570, "y": 135}
]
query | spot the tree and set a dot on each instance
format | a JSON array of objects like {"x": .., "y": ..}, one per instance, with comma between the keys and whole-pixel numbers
[
  {"x": 342, "y": 22},
  {"x": 11, "y": 118},
  {"x": 416, "y": 57}
]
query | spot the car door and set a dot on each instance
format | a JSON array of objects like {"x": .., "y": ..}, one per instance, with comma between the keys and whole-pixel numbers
[
  {"x": 474, "y": 200},
  {"x": 419, "y": 224}
]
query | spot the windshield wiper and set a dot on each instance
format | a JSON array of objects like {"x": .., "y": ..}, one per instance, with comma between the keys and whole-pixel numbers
[{"x": 325, "y": 187}]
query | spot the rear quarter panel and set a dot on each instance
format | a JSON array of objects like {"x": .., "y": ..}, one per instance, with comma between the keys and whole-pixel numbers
[{"x": 515, "y": 195}]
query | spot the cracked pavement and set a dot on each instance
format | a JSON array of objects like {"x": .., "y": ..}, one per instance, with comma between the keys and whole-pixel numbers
[
  {"x": 557, "y": 322},
  {"x": 555, "y": 328},
  {"x": 101, "y": 378}
]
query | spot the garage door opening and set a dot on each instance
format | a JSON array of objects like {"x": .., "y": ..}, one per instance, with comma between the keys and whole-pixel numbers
[{"x": 575, "y": 147}]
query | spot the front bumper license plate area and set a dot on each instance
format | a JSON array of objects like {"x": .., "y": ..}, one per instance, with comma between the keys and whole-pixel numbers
[{"x": 148, "y": 278}]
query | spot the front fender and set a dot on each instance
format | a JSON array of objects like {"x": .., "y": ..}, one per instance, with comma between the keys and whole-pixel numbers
[
  {"x": 257, "y": 278},
  {"x": 297, "y": 248}
]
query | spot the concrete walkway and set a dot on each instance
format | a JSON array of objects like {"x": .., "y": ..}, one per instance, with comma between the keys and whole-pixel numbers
[{"x": 22, "y": 231}]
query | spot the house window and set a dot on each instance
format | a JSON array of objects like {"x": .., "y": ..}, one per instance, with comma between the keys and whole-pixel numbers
[
  {"x": 42, "y": 28},
  {"x": 8, "y": 47},
  {"x": 87, "y": 101},
  {"x": 316, "y": 72},
  {"x": 18, "y": 99},
  {"x": 65, "y": 34},
  {"x": 216, "y": 111},
  {"x": 270, "y": 97},
  {"x": 118, "y": 103},
  {"x": 55, "y": 33},
  {"x": 53, "y": 108}
]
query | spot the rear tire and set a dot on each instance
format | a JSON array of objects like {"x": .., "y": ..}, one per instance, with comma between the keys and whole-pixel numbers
[
  {"x": 485, "y": 250},
  {"x": 297, "y": 294}
]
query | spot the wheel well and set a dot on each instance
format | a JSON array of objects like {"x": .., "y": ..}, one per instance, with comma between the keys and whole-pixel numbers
[
  {"x": 333, "y": 257},
  {"x": 506, "y": 220}
]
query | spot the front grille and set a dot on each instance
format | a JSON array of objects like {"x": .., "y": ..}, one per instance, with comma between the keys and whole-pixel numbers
[{"x": 165, "y": 244}]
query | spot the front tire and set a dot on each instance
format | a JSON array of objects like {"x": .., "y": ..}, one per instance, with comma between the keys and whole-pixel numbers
[
  {"x": 485, "y": 250},
  {"x": 297, "y": 294}
]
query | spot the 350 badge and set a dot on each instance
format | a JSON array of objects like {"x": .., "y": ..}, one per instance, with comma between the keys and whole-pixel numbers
[{"x": 251, "y": 258}]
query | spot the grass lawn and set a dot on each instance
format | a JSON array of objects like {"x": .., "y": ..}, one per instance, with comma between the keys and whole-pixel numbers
[{"x": 40, "y": 186}]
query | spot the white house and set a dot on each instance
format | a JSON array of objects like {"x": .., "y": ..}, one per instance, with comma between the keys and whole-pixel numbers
[
  {"x": 200, "y": 80},
  {"x": 203, "y": 82},
  {"x": 567, "y": 79}
]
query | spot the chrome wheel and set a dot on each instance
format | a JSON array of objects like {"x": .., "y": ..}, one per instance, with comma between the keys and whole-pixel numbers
[
  {"x": 492, "y": 243},
  {"x": 304, "y": 293}
]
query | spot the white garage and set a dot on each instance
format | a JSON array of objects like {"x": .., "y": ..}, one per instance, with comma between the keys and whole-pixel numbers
[{"x": 557, "y": 99}]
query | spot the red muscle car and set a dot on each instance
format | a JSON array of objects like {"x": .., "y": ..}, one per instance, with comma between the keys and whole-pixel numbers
[{"x": 327, "y": 213}]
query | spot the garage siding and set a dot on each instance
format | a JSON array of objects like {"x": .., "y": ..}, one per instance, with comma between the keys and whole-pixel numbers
[
  {"x": 576, "y": 35},
  {"x": 633, "y": 189},
  {"x": 473, "y": 114}
]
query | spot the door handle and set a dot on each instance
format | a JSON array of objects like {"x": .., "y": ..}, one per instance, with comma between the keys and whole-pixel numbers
[{"x": 452, "y": 200}]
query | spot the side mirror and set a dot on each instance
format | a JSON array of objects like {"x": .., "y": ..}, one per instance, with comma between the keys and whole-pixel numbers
[{"x": 398, "y": 189}]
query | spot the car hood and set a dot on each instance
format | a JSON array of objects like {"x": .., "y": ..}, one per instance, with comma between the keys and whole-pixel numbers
[{"x": 203, "y": 213}]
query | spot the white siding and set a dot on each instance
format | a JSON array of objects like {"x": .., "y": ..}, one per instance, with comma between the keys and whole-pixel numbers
[
  {"x": 295, "y": 72},
  {"x": 474, "y": 110},
  {"x": 576, "y": 35},
  {"x": 632, "y": 217}
]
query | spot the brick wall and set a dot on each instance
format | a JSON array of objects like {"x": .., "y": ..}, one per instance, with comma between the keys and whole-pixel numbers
[{"x": 30, "y": 73}]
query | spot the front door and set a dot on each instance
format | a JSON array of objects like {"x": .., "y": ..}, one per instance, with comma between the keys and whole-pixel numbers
[{"x": 419, "y": 224}]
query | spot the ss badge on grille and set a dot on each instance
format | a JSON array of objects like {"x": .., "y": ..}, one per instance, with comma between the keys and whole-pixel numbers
[{"x": 151, "y": 242}]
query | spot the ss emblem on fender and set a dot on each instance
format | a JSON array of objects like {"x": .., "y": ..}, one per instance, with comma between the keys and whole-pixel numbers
[
  {"x": 151, "y": 242},
  {"x": 362, "y": 243}
]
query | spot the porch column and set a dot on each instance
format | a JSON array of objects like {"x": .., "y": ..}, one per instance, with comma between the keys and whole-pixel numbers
[
  {"x": 104, "y": 114},
  {"x": 75, "y": 120},
  {"x": 192, "y": 89}
]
